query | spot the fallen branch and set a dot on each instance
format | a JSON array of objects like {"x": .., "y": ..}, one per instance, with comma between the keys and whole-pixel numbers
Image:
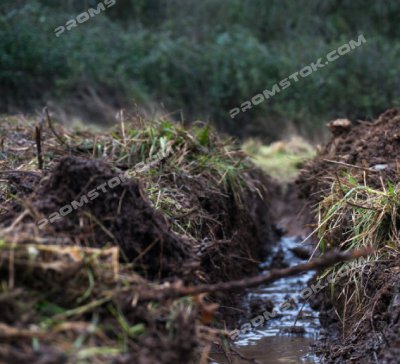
[{"x": 329, "y": 259}]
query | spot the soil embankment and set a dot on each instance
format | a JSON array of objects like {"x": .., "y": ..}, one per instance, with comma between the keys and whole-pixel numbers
[
  {"x": 111, "y": 216},
  {"x": 354, "y": 185}
]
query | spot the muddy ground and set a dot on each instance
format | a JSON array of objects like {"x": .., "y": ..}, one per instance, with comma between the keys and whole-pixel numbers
[{"x": 369, "y": 153}]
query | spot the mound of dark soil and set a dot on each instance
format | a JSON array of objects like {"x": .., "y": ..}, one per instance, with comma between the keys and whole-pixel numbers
[
  {"x": 372, "y": 147},
  {"x": 185, "y": 221},
  {"x": 245, "y": 238},
  {"x": 119, "y": 216},
  {"x": 369, "y": 151},
  {"x": 231, "y": 243},
  {"x": 236, "y": 238},
  {"x": 232, "y": 239}
]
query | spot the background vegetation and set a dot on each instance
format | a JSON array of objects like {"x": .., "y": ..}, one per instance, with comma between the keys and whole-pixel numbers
[{"x": 199, "y": 59}]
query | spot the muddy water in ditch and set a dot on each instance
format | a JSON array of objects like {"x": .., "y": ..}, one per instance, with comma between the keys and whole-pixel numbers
[{"x": 287, "y": 337}]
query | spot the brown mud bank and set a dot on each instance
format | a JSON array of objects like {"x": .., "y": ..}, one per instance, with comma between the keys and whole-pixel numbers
[
  {"x": 353, "y": 188},
  {"x": 110, "y": 217}
]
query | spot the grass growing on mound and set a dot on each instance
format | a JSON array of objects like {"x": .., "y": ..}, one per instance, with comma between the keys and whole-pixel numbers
[
  {"x": 354, "y": 215},
  {"x": 151, "y": 149},
  {"x": 200, "y": 162}
]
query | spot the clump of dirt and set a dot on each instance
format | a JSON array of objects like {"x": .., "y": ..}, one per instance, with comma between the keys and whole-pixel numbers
[
  {"x": 120, "y": 216},
  {"x": 228, "y": 226},
  {"x": 365, "y": 153},
  {"x": 367, "y": 150}
]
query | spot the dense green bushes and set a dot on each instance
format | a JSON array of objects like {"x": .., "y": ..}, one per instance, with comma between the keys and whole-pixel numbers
[{"x": 206, "y": 57}]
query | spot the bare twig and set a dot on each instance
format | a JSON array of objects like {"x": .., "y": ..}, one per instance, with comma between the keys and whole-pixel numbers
[
  {"x": 9, "y": 333},
  {"x": 38, "y": 137},
  {"x": 50, "y": 123},
  {"x": 329, "y": 259}
]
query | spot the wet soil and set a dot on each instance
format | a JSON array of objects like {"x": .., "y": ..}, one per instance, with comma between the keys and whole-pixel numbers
[
  {"x": 369, "y": 152},
  {"x": 370, "y": 335},
  {"x": 272, "y": 350},
  {"x": 291, "y": 213},
  {"x": 292, "y": 325}
]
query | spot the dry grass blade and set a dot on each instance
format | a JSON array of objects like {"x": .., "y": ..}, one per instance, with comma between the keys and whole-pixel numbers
[{"x": 354, "y": 216}]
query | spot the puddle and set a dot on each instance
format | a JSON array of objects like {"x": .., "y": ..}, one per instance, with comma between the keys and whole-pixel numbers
[
  {"x": 273, "y": 350},
  {"x": 285, "y": 338}
]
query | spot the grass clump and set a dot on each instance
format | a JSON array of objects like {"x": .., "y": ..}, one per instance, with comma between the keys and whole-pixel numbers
[
  {"x": 357, "y": 216},
  {"x": 354, "y": 215},
  {"x": 282, "y": 159}
]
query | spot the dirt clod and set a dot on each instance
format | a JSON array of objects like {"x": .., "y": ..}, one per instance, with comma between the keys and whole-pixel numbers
[{"x": 121, "y": 215}]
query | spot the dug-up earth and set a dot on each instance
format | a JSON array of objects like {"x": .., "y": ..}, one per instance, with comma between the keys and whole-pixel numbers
[
  {"x": 78, "y": 253},
  {"x": 96, "y": 226},
  {"x": 353, "y": 186}
]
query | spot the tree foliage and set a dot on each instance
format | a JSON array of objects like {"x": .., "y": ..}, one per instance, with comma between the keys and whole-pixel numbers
[{"x": 206, "y": 57}]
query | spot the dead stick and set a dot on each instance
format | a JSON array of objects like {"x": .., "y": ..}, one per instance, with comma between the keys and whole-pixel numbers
[
  {"x": 11, "y": 333},
  {"x": 323, "y": 262},
  {"x": 38, "y": 137},
  {"x": 50, "y": 124}
]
